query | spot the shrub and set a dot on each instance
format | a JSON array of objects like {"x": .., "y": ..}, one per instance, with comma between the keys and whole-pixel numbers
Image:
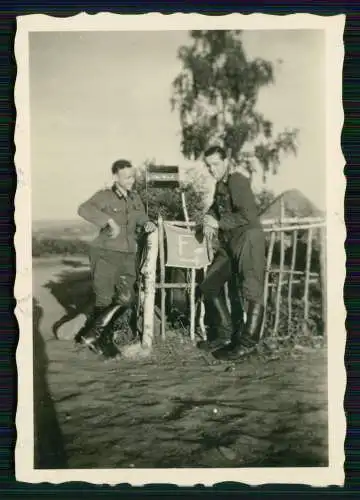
[
  {"x": 167, "y": 201},
  {"x": 297, "y": 326},
  {"x": 42, "y": 247}
]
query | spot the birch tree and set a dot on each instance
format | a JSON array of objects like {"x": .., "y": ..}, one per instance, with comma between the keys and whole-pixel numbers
[{"x": 216, "y": 94}]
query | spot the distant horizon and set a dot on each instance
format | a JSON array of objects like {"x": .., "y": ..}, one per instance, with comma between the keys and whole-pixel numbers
[{"x": 79, "y": 219}]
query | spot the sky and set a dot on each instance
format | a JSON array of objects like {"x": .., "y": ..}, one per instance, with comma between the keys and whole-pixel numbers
[{"x": 99, "y": 96}]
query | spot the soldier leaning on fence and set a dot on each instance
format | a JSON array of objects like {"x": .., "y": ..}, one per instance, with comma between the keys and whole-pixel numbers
[
  {"x": 240, "y": 256},
  {"x": 119, "y": 214}
]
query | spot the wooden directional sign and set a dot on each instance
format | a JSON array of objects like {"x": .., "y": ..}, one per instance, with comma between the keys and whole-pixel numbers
[
  {"x": 184, "y": 248},
  {"x": 163, "y": 176}
]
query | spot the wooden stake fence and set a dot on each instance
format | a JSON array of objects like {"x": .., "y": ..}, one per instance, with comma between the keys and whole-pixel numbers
[
  {"x": 162, "y": 275},
  {"x": 293, "y": 225},
  {"x": 291, "y": 276},
  {"x": 267, "y": 276},
  {"x": 274, "y": 227},
  {"x": 281, "y": 270}
]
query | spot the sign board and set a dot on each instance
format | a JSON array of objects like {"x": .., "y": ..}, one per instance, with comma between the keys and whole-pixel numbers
[
  {"x": 163, "y": 176},
  {"x": 184, "y": 248}
]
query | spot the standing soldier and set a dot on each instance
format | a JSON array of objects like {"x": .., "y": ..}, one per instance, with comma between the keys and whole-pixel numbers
[
  {"x": 119, "y": 214},
  {"x": 240, "y": 259}
]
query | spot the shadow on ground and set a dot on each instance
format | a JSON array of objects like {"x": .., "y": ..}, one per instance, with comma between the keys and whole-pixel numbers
[
  {"x": 174, "y": 409},
  {"x": 49, "y": 452},
  {"x": 73, "y": 291}
]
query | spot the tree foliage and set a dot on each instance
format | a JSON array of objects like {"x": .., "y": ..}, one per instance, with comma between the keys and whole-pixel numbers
[
  {"x": 166, "y": 201},
  {"x": 263, "y": 199},
  {"x": 43, "y": 247},
  {"x": 216, "y": 94}
]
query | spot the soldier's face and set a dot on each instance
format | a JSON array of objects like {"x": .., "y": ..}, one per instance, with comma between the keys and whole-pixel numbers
[
  {"x": 216, "y": 166},
  {"x": 125, "y": 178}
]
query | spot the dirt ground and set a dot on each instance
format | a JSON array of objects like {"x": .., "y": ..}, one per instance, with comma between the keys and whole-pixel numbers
[{"x": 176, "y": 409}]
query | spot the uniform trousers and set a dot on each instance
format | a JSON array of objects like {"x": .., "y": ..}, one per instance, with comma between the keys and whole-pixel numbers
[
  {"x": 113, "y": 276},
  {"x": 242, "y": 258}
]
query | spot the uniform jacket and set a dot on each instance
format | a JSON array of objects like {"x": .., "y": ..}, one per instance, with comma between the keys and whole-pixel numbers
[
  {"x": 234, "y": 206},
  {"x": 127, "y": 211}
]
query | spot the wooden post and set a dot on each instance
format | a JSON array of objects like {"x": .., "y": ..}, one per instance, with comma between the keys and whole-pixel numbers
[
  {"x": 267, "y": 273},
  {"x": 227, "y": 295},
  {"x": 149, "y": 272},
  {"x": 279, "y": 287},
  {"x": 307, "y": 276},
  {"x": 192, "y": 306},
  {"x": 202, "y": 313},
  {"x": 192, "y": 277},
  {"x": 291, "y": 277},
  {"x": 183, "y": 203},
  {"x": 162, "y": 276}
]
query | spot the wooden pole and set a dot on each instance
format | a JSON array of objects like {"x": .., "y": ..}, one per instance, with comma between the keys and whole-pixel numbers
[
  {"x": 273, "y": 224},
  {"x": 294, "y": 220},
  {"x": 291, "y": 277},
  {"x": 183, "y": 203},
  {"x": 192, "y": 306},
  {"x": 202, "y": 313},
  {"x": 282, "y": 255},
  {"x": 192, "y": 277},
  {"x": 302, "y": 227},
  {"x": 267, "y": 273},
  {"x": 149, "y": 273},
  {"x": 227, "y": 295},
  {"x": 307, "y": 276},
  {"x": 162, "y": 276}
]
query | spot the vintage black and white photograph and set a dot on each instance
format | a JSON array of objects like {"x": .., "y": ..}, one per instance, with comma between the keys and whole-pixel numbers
[{"x": 180, "y": 249}]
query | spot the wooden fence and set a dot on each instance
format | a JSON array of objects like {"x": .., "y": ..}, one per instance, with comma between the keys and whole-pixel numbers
[
  {"x": 313, "y": 229},
  {"x": 283, "y": 232}
]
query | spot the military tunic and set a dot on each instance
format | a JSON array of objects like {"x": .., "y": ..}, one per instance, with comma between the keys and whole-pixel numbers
[
  {"x": 241, "y": 252},
  {"x": 113, "y": 260}
]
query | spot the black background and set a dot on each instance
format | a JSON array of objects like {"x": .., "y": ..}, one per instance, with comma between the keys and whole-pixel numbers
[{"x": 9, "y": 488}]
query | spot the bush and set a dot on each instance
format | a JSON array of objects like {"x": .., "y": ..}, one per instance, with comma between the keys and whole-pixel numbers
[
  {"x": 43, "y": 247},
  {"x": 297, "y": 327},
  {"x": 167, "y": 201},
  {"x": 263, "y": 199}
]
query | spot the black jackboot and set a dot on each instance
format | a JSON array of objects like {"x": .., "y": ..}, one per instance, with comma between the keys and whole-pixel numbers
[
  {"x": 244, "y": 341},
  {"x": 223, "y": 328},
  {"x": 237, "y": 312},
  {"x": 78, "y": 339},
  {"x": 97, "y": 334}
]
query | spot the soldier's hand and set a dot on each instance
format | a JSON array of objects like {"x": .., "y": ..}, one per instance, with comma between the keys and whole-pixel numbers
[
  {"x": 113, "y": 228},
  {"x": 149, "y": 227},
  {"x": 209, "y": 232}
]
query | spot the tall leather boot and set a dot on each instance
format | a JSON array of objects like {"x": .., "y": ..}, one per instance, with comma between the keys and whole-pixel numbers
[
  {"x": 237, "y": 315},
  {"x": 244, "y": 341},
  {"x": 223, "y": 328},
  {"x": 237, "y": 309},
  {"x": 78, "y": 339},
  {"x": 97, "y": 336}
]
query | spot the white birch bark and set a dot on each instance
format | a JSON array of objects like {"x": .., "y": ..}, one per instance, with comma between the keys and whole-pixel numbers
[
  {"x": 148, "y": 273},
  {"x": 149, "y": 276}
]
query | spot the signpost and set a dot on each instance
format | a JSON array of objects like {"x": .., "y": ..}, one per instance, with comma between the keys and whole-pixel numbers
[
  {"x": 184, "y": 249},
  {"x": 163, "y": 176}
]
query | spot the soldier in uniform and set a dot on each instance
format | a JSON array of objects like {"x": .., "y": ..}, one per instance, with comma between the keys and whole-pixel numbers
[
  {"x": 240, "y": 260},
  {"x": 119, "y": 214}
]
